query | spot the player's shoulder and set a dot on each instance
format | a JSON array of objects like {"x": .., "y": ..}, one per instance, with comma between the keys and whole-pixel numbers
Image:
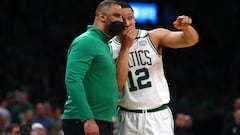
[
  {"x": 114, "y": 41},
  {"x": 142, "y": 33}
]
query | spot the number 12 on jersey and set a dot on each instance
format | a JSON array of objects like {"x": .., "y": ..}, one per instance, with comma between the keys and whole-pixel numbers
[{"x": 141, "y": 76}]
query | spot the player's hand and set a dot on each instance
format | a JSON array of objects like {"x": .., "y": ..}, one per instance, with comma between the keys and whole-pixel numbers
[
  {"x": 128, "y": 36},
  {"x": 182, "y": 22},
  {"x": 90, "y": 127}
]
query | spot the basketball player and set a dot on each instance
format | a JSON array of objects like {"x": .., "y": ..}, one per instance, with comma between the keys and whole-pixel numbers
[{"x": 144, "y": 93}]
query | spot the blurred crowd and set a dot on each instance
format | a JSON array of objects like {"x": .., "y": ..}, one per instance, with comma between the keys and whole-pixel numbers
[
  {"x": 16, "y": 110},
  {"x": 20, "y": 116}
]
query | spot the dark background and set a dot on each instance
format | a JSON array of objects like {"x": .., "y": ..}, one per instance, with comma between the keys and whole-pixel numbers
[{"x": 204, "y": 79}]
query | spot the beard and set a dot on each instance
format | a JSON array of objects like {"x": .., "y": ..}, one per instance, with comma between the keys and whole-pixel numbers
[{"x": 115, "y": 28}]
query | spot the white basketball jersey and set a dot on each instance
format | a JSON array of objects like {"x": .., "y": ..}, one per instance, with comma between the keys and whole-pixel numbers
[{"x": 146, "y": 86}]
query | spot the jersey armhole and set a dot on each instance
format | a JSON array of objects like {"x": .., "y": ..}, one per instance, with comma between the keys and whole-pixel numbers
[{"x": 152, "y": 46}]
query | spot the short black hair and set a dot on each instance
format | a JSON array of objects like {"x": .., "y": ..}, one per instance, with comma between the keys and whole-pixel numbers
[{"x": 125, "y": 5}]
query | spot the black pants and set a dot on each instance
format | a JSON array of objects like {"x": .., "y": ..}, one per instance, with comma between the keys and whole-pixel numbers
[{"x": 75, "y": 127}]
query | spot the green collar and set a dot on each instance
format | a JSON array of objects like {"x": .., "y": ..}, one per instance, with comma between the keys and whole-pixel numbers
[{"x": 104, "y": 37}]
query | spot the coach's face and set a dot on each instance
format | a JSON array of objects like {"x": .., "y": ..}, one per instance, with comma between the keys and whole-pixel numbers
[
  {"x": 114, "y": 21},
  {"x": 114, "y": 13}
]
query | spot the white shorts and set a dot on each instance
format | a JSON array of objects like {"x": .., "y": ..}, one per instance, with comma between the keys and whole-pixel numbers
[{"x": 146, "y": 123}]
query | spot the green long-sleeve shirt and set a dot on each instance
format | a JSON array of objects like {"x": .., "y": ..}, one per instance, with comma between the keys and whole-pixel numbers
[{"x": 90, "y": 78}]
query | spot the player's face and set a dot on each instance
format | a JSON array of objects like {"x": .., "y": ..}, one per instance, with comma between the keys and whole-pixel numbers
[{"x": 128, "y": 17}]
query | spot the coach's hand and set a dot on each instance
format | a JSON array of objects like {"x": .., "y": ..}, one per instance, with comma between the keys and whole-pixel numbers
[{"x": 91, "y": 127}]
